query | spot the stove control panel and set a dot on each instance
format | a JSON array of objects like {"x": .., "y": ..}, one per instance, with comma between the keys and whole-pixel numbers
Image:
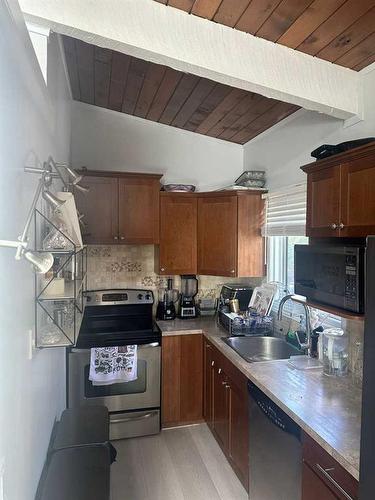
[{"x": 118, "y": 297}]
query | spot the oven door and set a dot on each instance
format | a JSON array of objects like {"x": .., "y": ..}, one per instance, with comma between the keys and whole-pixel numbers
[{"x": 144, "y": 392}]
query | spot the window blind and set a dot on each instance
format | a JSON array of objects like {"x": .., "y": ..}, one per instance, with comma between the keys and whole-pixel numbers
[{"x": 286, "y": 212}]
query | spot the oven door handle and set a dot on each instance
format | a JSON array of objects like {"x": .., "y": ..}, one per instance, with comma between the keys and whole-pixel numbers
[
  {"x": 146, "y": 346},
  {"x": 132, "y": 419},
  {"x": 140, "y": 346}
]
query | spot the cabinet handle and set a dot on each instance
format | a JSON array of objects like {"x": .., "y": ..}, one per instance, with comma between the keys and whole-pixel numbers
[
  {"x": 333, "y": 226},
  {"x": 219, "y": 371},
  {"x": 115, "y": 237},
  {"x": 122, "y": 237},
  {"x": 232, "y": 271},
  {"x": 212, "y": 363},
  {"x": 332, "y": 481},
  {"x": 162, "y": 269},
  {"x": 341, "y": 225}
]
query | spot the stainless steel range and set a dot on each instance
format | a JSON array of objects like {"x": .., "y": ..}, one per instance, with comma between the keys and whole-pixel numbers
[{"x": 116, "y": 318}]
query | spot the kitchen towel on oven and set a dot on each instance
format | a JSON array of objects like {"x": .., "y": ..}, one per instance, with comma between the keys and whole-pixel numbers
[{"x": 113, "y": 365}]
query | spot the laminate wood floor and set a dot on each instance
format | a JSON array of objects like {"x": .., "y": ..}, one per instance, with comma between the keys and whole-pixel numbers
[{"x": 182, "y": 463}]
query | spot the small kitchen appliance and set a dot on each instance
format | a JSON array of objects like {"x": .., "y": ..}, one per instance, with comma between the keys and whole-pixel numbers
[
  {"x": 335, "y": 352},
  {"x": 168, "y": 296},
  {"x": 189, "y": 289},
  {"x": 232, "y": 291},
  {"x": 331, "y": 274}
]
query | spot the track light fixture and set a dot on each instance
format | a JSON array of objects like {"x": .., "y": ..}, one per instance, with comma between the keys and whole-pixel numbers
[
  {"x": 52, "y": 200},
  {"x": 43, "y": 261}
]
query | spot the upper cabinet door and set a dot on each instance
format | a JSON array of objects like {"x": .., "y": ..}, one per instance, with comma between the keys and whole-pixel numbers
[
  {"x": 323, "y": 202},
  {"x": 139, "y": 209},
  {"x": 217, "y": 235},
  {"x": 358, "y": 198},
  {"x": 178, "y": 234},
  {"x": 100, "y": 208}
]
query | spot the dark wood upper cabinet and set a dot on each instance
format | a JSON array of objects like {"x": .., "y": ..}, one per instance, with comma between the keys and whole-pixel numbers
[
  {"x": 229, "y": 234},
  {"x": 121, "y": 207},
  {"x": 323, "y": 212},
  {"x": 178, "y": 234},
  {"x": 358, "y": 197},
  {"x": 139, "y": 209},
  {"x": 341, "y": 194},
  {"x": 100, "y": 209}
]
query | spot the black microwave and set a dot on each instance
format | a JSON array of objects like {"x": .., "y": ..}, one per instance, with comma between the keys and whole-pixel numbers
[{"x": 331, "y": 275}]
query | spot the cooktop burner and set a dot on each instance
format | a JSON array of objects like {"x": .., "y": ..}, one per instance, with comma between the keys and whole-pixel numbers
[{"x": 118, "y": 317}]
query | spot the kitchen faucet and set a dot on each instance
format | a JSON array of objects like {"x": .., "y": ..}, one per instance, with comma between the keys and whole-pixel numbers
[{"x": 307, "y": 343}]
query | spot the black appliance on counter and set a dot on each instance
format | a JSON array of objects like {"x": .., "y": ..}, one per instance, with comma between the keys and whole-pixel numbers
[
  {"x": 331, "y": 274},
  {"x": 231, "y": 291},
  {"x": 115, "y": 318},
  {"x": 189, "y": 289},
  {"x": 166, "y": 309}
]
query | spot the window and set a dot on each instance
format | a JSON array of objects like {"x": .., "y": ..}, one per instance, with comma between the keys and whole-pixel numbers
[
  {"x": 39, "y": 39},
  {"x": 285, "y": 228},
  {"x": 280, "y": 259}
]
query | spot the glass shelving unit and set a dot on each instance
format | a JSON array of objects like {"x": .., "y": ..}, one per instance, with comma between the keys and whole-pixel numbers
[{"x": 59, "y": 303}]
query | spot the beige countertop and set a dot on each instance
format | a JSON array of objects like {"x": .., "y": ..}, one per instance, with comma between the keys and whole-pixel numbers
[{"x": 326, "y": 408}]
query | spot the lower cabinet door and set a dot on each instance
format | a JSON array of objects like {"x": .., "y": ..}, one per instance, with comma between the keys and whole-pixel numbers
[
  {"x": 191, "y": 379},
  {"x": 182, "y": 379},
  {"x": 239, "y": 431},
  {"x": 221, "y": 407},
  {"x": 313, "y": 487},
  {"x": 209, "y": 365}
]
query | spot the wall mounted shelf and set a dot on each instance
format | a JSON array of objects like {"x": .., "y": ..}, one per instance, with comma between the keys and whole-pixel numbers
[{"x": 59, "y": 303}]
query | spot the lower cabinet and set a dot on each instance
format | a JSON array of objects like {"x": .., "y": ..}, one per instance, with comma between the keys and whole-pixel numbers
[
  {"x": 323, "y": 477},
  {"x": 226, "y": 409},
  {"x": 182, "y": 379}
]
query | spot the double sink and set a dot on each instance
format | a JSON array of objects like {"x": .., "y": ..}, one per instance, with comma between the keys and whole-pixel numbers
[{"x": 254, "y": 349}]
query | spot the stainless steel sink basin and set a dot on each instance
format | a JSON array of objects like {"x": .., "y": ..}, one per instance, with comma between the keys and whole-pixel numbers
[{"x": 254, "y": 349}]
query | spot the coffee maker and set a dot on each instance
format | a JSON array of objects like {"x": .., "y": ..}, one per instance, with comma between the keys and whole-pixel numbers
[
  {"x": 189, "y": 289},
  {"x": 168, "y": 296}
]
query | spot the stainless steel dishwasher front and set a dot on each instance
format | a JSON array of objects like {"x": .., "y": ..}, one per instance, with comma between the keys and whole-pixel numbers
[{"x": 275, "y": 451}]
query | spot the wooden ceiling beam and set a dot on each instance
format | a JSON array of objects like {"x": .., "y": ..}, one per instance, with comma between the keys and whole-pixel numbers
[{"x": 154, "y": 32}]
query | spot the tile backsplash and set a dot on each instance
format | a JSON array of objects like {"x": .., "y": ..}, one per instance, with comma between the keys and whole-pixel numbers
[{"x": 132, "y": 266}]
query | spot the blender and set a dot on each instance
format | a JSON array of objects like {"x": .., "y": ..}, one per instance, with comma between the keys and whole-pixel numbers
[
  {"x": 189, "y": 289},
  {"x": 166, "y": 309}
]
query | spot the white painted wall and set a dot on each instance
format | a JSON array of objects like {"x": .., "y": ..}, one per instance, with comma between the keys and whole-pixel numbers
[
  {"x": 107, "y": 140},
  {"x": 34, "y": 122},
  {"x": 284, "y": 148}
]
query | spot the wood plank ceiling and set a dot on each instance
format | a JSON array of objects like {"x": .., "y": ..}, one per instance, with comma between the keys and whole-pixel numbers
[
  {"x": 340, "y": 31},
  {"x": 136, "y": 87}
]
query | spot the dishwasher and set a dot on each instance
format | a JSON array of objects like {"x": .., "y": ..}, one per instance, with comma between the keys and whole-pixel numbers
[{"x": 275, "y": 450}]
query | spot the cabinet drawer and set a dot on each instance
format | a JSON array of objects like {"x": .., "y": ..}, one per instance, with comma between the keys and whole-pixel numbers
[{"x": 328, "y": 470}]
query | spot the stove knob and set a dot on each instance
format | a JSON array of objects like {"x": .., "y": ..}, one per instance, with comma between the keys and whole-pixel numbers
[
  {"x": 148, "y": 297},
  {"x": 140, "y": 296}
]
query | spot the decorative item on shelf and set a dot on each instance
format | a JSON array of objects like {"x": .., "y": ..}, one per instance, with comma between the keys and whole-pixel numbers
[
  {"x": 252, "y": 179},
  {"x": 179, "y": 188},
  {"x": 247, "y": 181}
]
